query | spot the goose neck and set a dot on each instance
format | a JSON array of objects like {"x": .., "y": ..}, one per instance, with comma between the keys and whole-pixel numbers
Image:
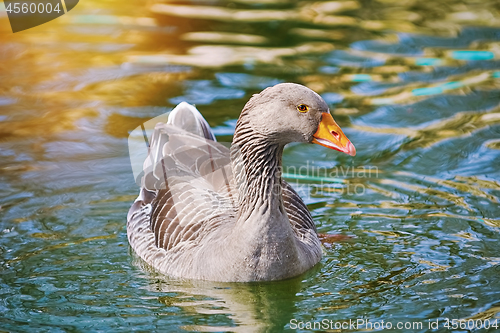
[{"x": 257, "y": 168}]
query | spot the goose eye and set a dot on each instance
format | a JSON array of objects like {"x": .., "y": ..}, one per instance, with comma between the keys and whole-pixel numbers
[{"x": 302, "y": 108}]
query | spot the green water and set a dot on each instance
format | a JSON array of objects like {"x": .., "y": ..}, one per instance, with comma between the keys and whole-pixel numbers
[{"x": 415, "y": 216}]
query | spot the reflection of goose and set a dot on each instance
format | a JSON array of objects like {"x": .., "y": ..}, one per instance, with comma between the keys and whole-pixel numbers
[
  {"x": 207, "y": 212},
  {"x": 248, "y": 307}
]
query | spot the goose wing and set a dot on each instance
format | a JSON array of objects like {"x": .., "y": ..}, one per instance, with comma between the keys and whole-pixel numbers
[
  {"x": 298, "y": 214},
  {"x": 187, "y": 188}
]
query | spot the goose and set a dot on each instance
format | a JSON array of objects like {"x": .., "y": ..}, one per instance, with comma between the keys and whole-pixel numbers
[{"x": 209, "y": 212}]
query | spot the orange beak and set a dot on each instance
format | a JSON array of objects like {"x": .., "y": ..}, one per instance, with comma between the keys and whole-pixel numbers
[{"x": 331, "y": 136}]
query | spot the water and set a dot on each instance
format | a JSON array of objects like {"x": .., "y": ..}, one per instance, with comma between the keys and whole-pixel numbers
[{"x": 414, "y": 85}]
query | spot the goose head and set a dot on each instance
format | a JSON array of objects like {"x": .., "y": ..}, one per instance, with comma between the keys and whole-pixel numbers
[{"x": 289, "y": 112}]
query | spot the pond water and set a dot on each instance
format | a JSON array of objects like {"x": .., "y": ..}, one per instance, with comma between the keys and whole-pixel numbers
[{"x": 416, "y": 217}]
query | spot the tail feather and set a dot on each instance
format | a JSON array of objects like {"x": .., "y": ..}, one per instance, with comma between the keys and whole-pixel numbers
[{"x": 187, "y": 117}]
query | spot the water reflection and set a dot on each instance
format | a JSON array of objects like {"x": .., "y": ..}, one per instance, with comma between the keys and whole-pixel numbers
[
  {"x": 244, "y": 307},
  {"x": 415, "y": 85},
  {"x": 221, "y": 56}
]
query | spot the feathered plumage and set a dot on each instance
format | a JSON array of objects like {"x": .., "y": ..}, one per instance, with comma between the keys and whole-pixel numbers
[{"x": 213, "y": 213}]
